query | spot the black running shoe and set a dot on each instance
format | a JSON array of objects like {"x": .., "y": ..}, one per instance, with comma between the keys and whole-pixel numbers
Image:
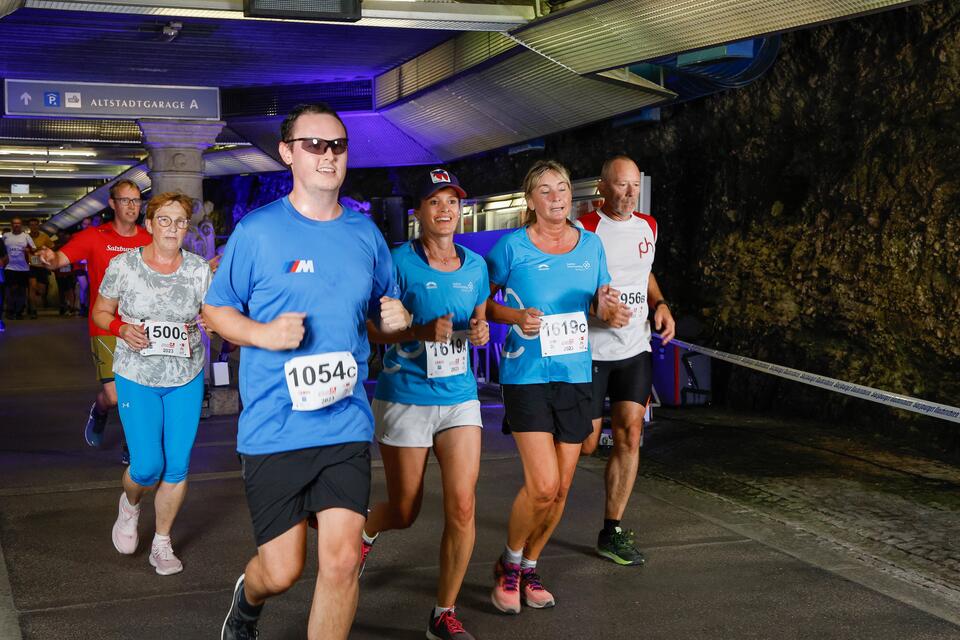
[
  {"x": 235, "y": 626},
  {"x": 618, "y": 546}
]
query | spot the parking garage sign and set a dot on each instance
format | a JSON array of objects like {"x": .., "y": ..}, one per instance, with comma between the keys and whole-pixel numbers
[{"x": 54, "y": 99}]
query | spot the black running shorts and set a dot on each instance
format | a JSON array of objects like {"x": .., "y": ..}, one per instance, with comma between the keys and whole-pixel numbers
[
  {"x": 284, "y": 489},
  {"x": 560, "y": 408},
  {"x": 627, "y": 380}
]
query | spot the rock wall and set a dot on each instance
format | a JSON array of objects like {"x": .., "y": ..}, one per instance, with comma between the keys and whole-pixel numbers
[{"x": 810, "y": 219}]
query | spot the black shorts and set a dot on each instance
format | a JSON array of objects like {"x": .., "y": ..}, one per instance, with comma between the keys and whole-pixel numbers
[
  {"x": 627, "y": 380},
  {"x": 40, "y": 274},
  {"x": 16, "y": 278},
  {"x": 560, "y": 408},
  {"x": 284, "y": 489}
]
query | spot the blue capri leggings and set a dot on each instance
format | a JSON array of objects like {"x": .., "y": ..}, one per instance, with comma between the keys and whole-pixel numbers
[{"x": 160, "y": 424}]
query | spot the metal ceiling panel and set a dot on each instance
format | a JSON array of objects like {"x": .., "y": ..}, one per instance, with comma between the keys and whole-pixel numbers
[
  {"x": 131, "y": 48},
  {"x": 519, "y": 97},
  {"x": 442, "y": 15},
  {"x": 354, "y": 95},
  {"x": 597, "y": 36},
  {"x": 65, "y": 131},
  {"x": 438, "y": 64},
  {"x": 374, "y": 140},
  {"x": 234, "y": 161}
]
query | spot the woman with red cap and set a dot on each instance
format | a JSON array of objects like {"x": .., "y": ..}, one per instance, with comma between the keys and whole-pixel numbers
[{"x": 426, "y": 394}]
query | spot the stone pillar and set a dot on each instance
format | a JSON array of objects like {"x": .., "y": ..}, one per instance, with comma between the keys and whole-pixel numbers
[{"x": 176, "y": 164}]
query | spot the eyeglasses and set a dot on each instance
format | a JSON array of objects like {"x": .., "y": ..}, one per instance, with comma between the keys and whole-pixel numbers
[
  {"x": 166, "y": 221},
  {"x": 319, "y": 146},
  {"x": 125, "y": 201}
]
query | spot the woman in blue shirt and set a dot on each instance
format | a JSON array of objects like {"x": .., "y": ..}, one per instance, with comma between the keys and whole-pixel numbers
[
  {"x": 426, "y": 394},
  {"x": 552, "y": 275}
]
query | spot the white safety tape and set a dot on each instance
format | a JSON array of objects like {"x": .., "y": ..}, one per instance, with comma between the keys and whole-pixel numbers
[{"x": 907, "y": 403}]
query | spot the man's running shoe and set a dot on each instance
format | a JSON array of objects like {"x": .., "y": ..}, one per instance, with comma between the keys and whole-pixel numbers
[
  {"x": 534, "y": 595},
  {"x": 365, "y": 548},
  {"x": 124, "y": 534},
  {"x": 236, "y": 626},
  {"x": 93, "y": 430},
  {"x": 163, "y": 560},
  {"x": 618, "y": 546},
  {"x": 506, "y": 592},
  {"x": 446, "y": 627}
]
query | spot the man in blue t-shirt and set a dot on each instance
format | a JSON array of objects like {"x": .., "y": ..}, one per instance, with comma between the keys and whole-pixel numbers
[{"x": 296, "y": 284}]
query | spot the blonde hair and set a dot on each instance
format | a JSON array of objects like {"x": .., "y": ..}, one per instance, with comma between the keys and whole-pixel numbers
[
  {"x": 163, "y": 199},
  {"x": 532, "y": 179}
]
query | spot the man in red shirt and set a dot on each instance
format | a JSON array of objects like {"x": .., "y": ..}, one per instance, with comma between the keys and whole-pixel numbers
[{"x": 99, "y": 245}]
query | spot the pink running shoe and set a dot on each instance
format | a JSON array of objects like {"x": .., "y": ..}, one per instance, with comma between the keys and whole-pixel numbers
[
  {"x": 534, "y": 595},
  {"x": 365, "y": 548},
  {"x": 124, "y": 533},
  {"x": 506, "y": 593},
  {"x": 163, "y": 560},
  {"x": 447, "y": 627}
]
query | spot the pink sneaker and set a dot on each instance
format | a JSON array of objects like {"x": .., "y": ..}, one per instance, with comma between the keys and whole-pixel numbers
[
  {"x": 163, "y": 560},
  {"x": 125, "y": 528},
  {"x": 534, "y": 595},
  {"x": 506, "y": 593},
  {"x": 365, "y": 548}
]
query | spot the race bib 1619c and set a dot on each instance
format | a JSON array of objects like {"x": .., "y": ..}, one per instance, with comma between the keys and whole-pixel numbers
[{"x": 562, "y": 334}]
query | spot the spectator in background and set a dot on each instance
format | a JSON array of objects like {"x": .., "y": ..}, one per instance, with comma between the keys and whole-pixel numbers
[
  {"x": 19, "y": 246},
  {"x": 39, "y": 277}
]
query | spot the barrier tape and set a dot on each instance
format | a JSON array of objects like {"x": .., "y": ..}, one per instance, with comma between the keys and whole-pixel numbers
[{"x": 896, "y": 400}]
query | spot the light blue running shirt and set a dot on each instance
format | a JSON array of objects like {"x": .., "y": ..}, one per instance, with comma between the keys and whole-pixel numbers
[
  {"x": 334, "y": 271},
  {"x": 563, "y": 283},
  {"x": 428, "y": 294}
]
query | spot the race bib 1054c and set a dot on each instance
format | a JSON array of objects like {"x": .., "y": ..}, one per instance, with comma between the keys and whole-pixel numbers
[{"x": 318, "y": 381}]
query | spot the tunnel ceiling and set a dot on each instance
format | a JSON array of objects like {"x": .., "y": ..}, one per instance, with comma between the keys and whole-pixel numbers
[{"x": 421, "y": 82}]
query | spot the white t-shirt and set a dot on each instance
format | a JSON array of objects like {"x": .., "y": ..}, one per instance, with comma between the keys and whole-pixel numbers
[
  {"x": 16, "y": 250},
  {"x": 146, "y": 295},
  {"x": 630, "y": 246}
]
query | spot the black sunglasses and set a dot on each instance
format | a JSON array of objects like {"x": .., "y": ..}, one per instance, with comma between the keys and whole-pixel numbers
[{"x": 319, "y": 146}]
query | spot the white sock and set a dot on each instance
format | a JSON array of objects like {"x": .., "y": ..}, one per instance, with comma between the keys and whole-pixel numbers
[
  {"x": 366, "y": 538},
  {"x": 511, "y": 556},
  {"x": 159, "y": 539},
  {"x": 527, "y": 563},
  {"x": 128, "y": 506},
  {"x": 438, "y": 610}
]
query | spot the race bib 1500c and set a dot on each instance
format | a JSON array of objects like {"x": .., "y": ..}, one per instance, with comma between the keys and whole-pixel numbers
[
  {"x": 167, "y": 339},
  {"x": 320, "y": 380},
  {"x": 562, "y": 334},
  {"x": 448, "y": 358}
]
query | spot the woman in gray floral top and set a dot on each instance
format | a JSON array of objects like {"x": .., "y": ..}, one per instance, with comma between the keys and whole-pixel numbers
[{"x": 150, "y": 298}]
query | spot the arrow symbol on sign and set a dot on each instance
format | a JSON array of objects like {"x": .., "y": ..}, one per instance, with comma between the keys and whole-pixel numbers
[{"x": 26, "y": 98}]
